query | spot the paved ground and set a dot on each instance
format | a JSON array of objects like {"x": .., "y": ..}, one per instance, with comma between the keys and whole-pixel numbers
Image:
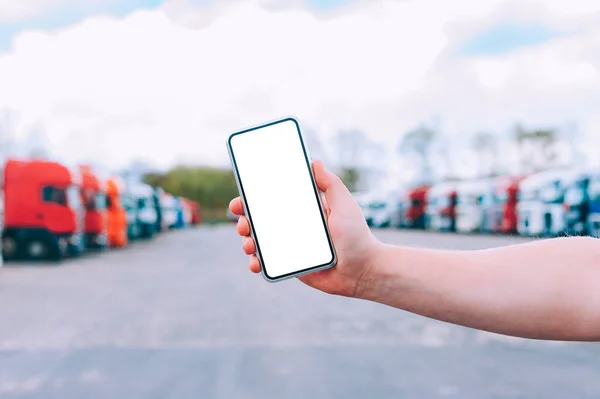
[{"x": 182, "y": 318}]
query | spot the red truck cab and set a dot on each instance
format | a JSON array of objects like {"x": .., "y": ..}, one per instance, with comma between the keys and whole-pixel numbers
[
  {"x": 505, "y": 216},
  {"x": 43, "y": 216},
  {"x": 93, "y": 197},
  {"x": 116, "y": 213},
  {"x": 448, "y": 210},
  {"x": 195, "y": 210},
  {"x": 417, "y": 203}
]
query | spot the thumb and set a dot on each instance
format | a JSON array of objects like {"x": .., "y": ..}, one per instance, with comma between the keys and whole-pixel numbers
[{"x": 335, "y": 191}]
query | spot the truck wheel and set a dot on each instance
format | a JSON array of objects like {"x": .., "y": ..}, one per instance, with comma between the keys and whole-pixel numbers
[
  {"x": 37, "y": 249},
  {"x": 42, "y": 249},
  {"x": 146, "y": 231},
  {"x": 9, "y": 248},
  {"x": 548, "y": 224}
]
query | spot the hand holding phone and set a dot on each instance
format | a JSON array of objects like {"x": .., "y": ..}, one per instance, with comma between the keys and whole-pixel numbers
[
  {"x": 354, "y": 244},
  {"x": 270, "y": 163}
]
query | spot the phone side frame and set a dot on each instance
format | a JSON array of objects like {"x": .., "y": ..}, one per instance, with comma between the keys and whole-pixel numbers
[{"x": 317, "y": 192}]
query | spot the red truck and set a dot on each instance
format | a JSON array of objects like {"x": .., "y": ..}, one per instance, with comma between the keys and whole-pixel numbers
[
  {"x": 449, "y": 211},
  {"x": 93, "y": 197},
  {"x": 43, "y": 215},
  {"x": 417, "y": 203},
  {"x": 117, "y": 213},
  {"x": 503, "y": 213},
  {"x": 196, "y": 217}
]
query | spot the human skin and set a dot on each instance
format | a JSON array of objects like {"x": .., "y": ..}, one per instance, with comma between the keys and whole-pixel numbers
[{"x": 547, "y": 289}]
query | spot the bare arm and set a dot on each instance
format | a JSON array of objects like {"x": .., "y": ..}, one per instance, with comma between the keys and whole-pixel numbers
[{"x": 543, "y": 290}]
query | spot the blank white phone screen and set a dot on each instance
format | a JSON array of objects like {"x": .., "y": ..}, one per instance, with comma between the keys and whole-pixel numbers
[{"x": 276, "y": 182}]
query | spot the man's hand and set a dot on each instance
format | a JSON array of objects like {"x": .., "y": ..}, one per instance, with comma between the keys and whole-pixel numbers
[{"x": 354, "y": 243}]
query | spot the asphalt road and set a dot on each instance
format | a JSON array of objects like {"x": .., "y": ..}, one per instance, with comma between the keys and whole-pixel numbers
[{"x": 180, "y": 317}]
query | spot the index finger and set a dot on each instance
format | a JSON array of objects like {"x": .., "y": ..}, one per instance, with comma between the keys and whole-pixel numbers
[{"x": 236, "y": 207}]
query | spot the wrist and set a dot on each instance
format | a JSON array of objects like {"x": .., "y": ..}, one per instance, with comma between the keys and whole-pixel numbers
[{"x": 371, "y": 283}]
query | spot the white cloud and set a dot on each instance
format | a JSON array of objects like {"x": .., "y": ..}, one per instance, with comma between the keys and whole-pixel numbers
[
  {"x": 20, "y": 10},
  {"x": 153, "y": 86},
  {"x": 14, "y": 10}
]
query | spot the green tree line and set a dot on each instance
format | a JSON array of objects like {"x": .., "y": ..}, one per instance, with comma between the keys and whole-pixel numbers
[{"x": 213, "y": 188}]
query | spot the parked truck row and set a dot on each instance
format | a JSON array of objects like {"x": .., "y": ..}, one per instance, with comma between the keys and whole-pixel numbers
[
  {"x": 52, "y": 211},
  {"x": 545, "y": 204}
]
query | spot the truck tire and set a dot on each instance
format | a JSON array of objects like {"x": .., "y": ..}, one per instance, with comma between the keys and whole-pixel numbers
[
  {"x": 547, "y": 224},
  {"x": 150, "y": 232},
  {"x": 37, "y": 249},
  {"x": 147, "y": 231},
  {"x": 10, "y": 248},
  {"x": 40, "y": 249}
]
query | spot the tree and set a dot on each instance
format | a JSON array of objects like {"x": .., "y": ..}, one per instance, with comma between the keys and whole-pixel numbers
[
  {"x": 485, "y": 145},
  {"x": 417, "y": 144},
  {"x": 537, "y": 148},
  {"x": 213, "y": 188},
  {"x": 350, "y": 145},
  {"x": 351, "y": 178},
  {"x": 360, "y": 159},
  {"x": 350, "y": 148},
  {"x": 376, "y": 166}
]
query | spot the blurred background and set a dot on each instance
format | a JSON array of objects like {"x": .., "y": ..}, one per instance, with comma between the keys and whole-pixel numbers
[{"x": 444, "y": 118}]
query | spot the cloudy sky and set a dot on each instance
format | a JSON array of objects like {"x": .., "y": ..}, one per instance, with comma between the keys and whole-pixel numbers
[{"x": 167, "y": 81}]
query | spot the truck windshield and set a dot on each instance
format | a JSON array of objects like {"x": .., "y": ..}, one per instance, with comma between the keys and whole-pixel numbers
[
  {"x": 142, "y": 203},
  {"x": 486, "y": 199},
  {"x": 594, "y": 191},
  {"x": 501, "y": 198},
  {"x": 467, "y": 200},
  {"x": 377, "y": 205},
  {"x": 528, "y": 195},
  {"x": 95, "y": 201},
  {"x": 74, "y": 197},
  {"x": 575, "y": 195},
  {"x": 127, "y": 202},
  {"x": 444, "y": 201},
  {"x": 101, "y": 201},
  {"x": 55, "y": 195},
  {"x": 553, "y": 193}
]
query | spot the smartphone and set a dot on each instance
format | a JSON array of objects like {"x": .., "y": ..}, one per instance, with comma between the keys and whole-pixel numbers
[{"x": 281, "y": 200}]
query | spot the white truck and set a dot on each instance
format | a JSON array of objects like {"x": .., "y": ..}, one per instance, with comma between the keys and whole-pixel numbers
[
  {"x": 541, "y": 206},
  {"x": 380, "y": 210},
  {"x": 169, "y": 211},
  {"x": 187, "y": 213},
  {"x": 145, "y": 213},
  {"x": 577, "y": 203},
  {"x": 470, "y": 205},
  {"x": 441, "y": 207},
  {"x": 594, "y": 203}
]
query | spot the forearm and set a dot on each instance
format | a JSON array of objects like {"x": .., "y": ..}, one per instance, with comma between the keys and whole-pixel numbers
[{"x": 545, "y": 290}]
